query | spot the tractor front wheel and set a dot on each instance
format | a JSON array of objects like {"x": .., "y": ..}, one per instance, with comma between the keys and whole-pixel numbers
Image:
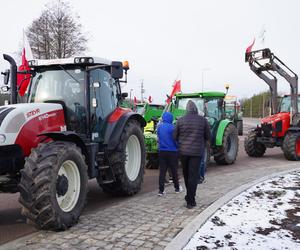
[
  {"x": 291, "y": 146},
  {"x": 127, "y": 161},
  {"x": 252, "y": 147},
  {"x": 53, "y": 185},
  {"x": 227, "y": 153}
]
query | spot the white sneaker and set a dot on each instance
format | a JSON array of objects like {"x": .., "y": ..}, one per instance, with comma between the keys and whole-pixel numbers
[
  {"x": 161, "y": 193},
  {"x": 177, "y": 191}
]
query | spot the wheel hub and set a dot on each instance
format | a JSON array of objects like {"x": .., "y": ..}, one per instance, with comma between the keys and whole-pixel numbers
[{"x": 62, "y": 185}]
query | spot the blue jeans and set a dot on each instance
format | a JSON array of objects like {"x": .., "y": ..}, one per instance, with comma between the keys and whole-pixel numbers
[{"x": 202, "y": 166}]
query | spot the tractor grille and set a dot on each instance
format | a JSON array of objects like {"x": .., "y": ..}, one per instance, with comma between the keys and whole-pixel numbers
[{"x": 266, "y": 129}]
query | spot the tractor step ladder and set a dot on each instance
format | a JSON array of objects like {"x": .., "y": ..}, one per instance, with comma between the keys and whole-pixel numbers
[{"x": 106, "y": 175}]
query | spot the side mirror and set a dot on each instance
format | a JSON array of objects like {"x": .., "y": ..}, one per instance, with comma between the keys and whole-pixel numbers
[
  {"x": 6, "y": 74},
  {"x": 116, "y": 70},
  {"x": 124, "y": 95}
]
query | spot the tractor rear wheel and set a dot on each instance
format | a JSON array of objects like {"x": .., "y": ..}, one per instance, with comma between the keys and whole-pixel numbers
[
  {"x": 127, "y": 161},
  {"x": 227, "y": 153},
  {"x": 53, "y": 185},
  {"x": 252, "y": 147},
  {"x": 291, "y": 146},
  {"x": 239, "y": 126}
]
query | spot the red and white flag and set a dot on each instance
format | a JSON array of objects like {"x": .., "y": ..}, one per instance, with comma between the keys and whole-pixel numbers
[
  {"x": 176, "y": 89},
  {"x": 150, "y": 99},
  {"x": 23, "y": 80},
  {"x": 249, "y": 48}
]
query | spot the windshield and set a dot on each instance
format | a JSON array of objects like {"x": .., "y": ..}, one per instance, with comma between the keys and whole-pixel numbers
[
  {"x": 182, "y": 102},
  {"x": 61, "y": 85},
  {"x": 285, "y": 105},
  {"x": 58, "y": 84},
  {"x": 213, "y": 108},
  {"x": 140, "y": 109}
]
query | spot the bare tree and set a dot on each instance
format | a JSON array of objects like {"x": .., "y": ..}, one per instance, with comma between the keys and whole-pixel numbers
[{"x": 56, "y": 33}]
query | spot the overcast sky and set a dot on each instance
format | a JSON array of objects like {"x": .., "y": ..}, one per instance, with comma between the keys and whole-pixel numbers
[{"x": 197, "y": 41}]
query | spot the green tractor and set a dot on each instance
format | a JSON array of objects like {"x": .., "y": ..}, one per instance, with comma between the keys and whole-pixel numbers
[
  {"x": 233, "y": 112},
  {"x": 224, "y": 143},
  {"x": 151, "y": 113}
]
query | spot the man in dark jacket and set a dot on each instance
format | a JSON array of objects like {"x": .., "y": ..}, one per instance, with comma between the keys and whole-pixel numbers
[
  {"x": 168, "y": 153},
  {"x": 191, "y": 132}
]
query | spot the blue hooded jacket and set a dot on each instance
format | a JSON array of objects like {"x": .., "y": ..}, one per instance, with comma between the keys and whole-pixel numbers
[{"x": 165, "y": 133}]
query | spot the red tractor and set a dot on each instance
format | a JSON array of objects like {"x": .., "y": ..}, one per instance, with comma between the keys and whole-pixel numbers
[
  {"x": 282, "y": 127},
  {"x": 70, "y": 129}
]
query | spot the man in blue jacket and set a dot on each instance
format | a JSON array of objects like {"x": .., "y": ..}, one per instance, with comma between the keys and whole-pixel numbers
[{"x": 168, "y": 153}]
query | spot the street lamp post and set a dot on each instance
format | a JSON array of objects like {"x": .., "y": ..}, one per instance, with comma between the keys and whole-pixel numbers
[{"x": 203, "y": 70}]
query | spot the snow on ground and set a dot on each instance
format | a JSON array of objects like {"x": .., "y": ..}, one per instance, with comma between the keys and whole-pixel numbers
[{"x": 266, "y": 216}]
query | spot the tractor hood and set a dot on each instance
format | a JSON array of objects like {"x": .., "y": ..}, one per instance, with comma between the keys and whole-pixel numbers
[
  {"x": 282, "y": 116},
  {"x": 22, "y": 123}
]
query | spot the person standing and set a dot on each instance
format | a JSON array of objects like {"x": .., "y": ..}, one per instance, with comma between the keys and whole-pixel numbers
[
  {"x": 168, "y": 153},
  {"x": 191, "y": 132},
  {"x": 202, "y": 167}
]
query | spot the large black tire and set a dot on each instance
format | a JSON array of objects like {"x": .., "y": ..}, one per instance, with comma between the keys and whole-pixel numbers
[
  {"x": 128, "y": 168},
  {"x": 239, "y": 126},
  {"x": 152, "y": 161},
  {"x": 291, "y": 146},
  {"x": 227, "y": 153},
  {"x": 53, "y": 185},
  {"x": 252, "y": 147}
]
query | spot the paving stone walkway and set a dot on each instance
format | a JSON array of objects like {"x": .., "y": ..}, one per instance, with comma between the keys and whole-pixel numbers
[{"x": 148, "y": 221}]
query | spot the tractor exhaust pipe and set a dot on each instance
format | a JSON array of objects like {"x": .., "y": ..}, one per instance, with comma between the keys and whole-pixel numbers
[{"x": 13, "y": 72}]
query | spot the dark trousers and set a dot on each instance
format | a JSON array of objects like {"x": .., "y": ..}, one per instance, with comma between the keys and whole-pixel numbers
[
  {"x": 202, "y": 166},
  {"x": 190, "y": 168},
  {"x": 168, "y": 159}
]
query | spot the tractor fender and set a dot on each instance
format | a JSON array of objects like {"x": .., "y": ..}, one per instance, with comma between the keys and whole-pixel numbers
[
  {"x": 293, "y": 130},
  {"x": 220, "y": 132},
  {"x": 114, "y": 129},
  {"x": 67, "y": 136}
]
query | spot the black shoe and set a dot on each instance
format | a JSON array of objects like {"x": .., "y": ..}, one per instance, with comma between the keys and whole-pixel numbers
[
  {"x": 200, "y": 180},
  {"x": 194, "y": 204},
  {"x": 189, "y": 206}
]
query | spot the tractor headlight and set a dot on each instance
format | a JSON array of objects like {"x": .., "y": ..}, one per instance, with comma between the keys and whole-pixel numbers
[{"x": 2, "y": 138}]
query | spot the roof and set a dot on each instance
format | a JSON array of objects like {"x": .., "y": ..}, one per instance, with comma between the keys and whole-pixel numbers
[
  {"x": 71, "y": 60},
  {"x": 201, "y": 94}
]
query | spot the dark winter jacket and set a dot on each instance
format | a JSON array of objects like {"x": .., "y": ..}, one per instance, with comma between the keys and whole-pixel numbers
[
  {"x": 165, "y": 133},
  {"x": 191, "y": 132}
]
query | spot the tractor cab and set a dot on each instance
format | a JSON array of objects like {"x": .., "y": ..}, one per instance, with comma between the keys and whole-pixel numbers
[
  {"x": 88, "y": 88},
  {"x": 209, "y": 104},
  {"x": 233, "y": 112}
]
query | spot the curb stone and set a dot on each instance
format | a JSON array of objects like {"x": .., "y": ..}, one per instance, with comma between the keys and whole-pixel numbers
[{"x": 183, "y": 237}]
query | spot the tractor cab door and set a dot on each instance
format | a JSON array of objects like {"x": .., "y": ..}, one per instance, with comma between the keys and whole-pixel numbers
[
  {"x": 214, "y": 112},
  {"x": 103, "y": 101}
]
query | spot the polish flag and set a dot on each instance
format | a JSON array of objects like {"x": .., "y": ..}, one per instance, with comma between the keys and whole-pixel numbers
[
  {"x": 23, "y": 80},
  {"x": 176, "y": 89}
]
